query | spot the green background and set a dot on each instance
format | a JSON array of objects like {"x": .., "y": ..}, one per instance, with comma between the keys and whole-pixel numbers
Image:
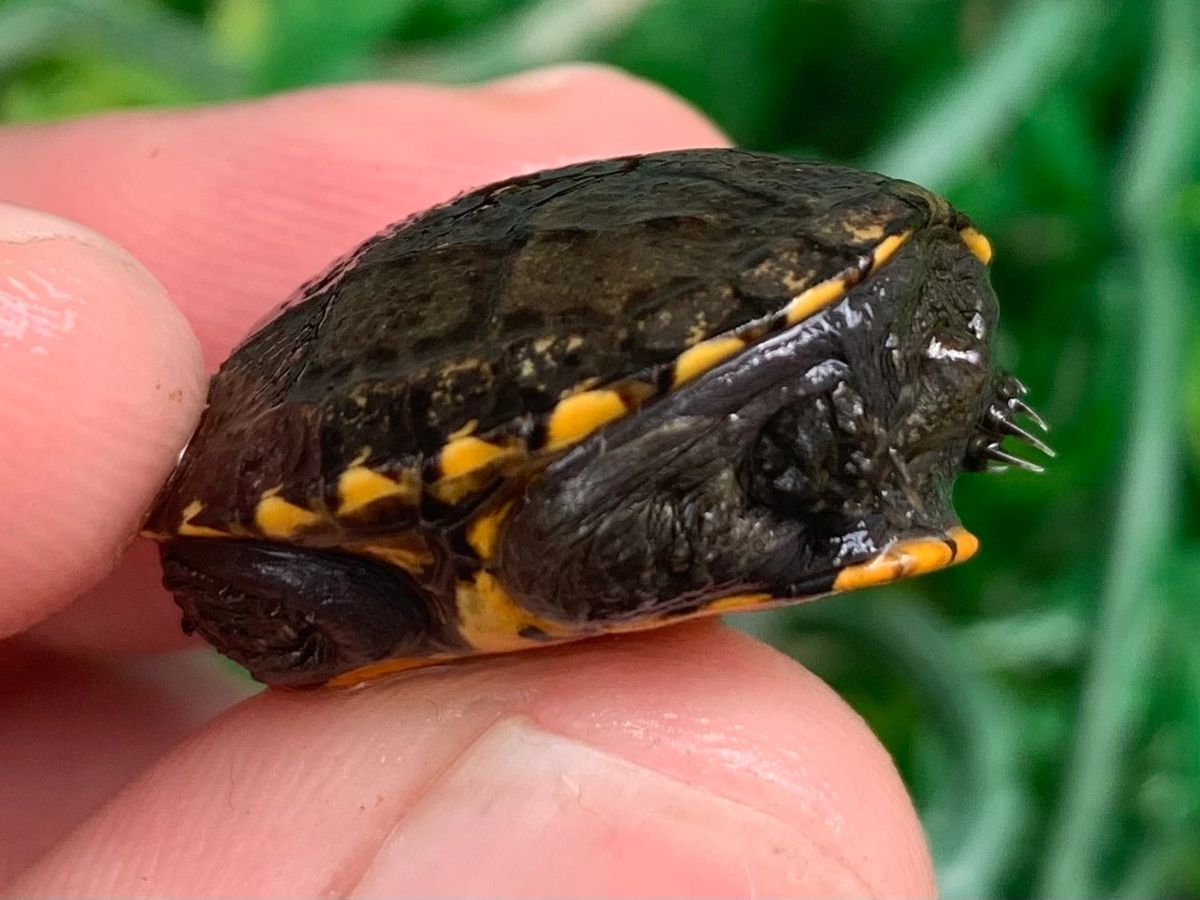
[{"x": 1043, "y": 702}]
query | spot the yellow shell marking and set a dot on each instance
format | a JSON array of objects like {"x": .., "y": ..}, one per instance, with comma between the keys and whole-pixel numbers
[
  {"x": 738, "y": 603},
  {"x": 277, "y": 518},
  {"x": 966, "y": 544},
  {"x": 187, "y": 529},
  {"x": 815, "y": 299},
  {"x": 408, "y": 550},
  {"x": 580, "y": 414},
  {"x": 907, "y": 558},
  {"x": 466, "y": 454},
  {"x": 821, "y": 295},
  {"x": 467, "y": 429},
  {"x": 872, "y": 232},
  {"x": 378, "y": 670},
  {"x": 484, "y": 532},
  {"x": 884, "y": 249},
  {"x": 703, "y": 356},
  {"x": 359, "y": 486},
  {"x": 490, "y": 621},
  {"x": 977, "y": 244},
  {"x": 720, "y": 606}
]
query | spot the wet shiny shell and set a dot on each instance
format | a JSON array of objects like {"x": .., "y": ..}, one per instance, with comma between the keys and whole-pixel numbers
[
  {"x": 394, "y": 407},
  {"x": 501, "y": 328}
]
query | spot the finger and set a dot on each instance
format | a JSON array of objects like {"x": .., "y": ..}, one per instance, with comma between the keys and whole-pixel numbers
[
  {"x": 100, "y": 383},
  {"x": 694, "y": 762},
  {"x": 233, "y": 207},
  {"x": 76, "y": 731}
]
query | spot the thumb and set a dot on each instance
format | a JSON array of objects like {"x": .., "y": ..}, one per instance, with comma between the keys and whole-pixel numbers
[{"x": 100, "y": 383}]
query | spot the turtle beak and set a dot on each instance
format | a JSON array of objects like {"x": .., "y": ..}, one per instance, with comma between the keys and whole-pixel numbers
[{"x": 906, "y": 557}]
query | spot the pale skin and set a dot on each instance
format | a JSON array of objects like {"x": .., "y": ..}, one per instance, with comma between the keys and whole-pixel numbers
[{"x": 689, "y": 761}]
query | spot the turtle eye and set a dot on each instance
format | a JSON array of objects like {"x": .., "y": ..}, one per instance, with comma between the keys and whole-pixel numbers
[{"x": 984, "y": 450}]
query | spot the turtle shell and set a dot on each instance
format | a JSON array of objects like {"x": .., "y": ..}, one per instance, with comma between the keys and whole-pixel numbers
[{"x": 349, "y": 503}]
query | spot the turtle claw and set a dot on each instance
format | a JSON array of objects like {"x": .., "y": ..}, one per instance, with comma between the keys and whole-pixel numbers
[
  {"x": 1020, "y": 407},
  {"x": 1007, "y": 460},
  {"x": 1003, "y": 422},
  {"x": 985, "y": 453}
]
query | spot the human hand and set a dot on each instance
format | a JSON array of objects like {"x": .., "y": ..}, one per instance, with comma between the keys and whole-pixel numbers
[{"x": 689, "y": 761}]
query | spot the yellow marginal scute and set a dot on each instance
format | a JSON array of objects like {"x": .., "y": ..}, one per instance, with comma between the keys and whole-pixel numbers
[
  {"x": 815, "y": 299},
  {"x": 467, "y": 429},
  {"x": 821, "y": 295},
  {"x": 580, "y": 414},
  {"x": 277, "y": 518},
  {"x": 187, "y": 529},
  {"x": 491, "y": 621},
  {"x": 966, "y": 544},
  {"x": 408, "y": 550},
  {"x": 484, "y": 532},
  {"x": 359, "y": 486},
  {"x": 884, "y": 249},
  {"x": 738, "y": 603},
  {"x": 466, "y": 454},
  {"x": 375, "y": 671},
  {"x": 703, "y": 356},
  {"x": 905, "y": 559},
  {"x": 977, "y": 244}
]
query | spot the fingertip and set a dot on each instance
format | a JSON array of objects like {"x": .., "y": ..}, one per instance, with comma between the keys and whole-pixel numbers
[
  {"x": 101, "y": 381},
  {"x": 76, "y": 730},
  {"x": 693, "y": 761},
  {"x": 687, "y": 762},
  {"x": 603, "y": 104},
  {"x": 704, "y": 705}
]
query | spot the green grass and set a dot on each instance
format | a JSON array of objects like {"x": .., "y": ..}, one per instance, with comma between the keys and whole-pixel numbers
[{"x": 1043, "y": 702}]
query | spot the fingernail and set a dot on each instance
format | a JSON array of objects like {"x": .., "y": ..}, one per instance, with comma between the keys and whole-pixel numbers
[
  {"x": 41, "y": 302},
  {"x": 528, "y": 812},
  {"x": 21, "y": 225},
  {"x": 99, "y": 373}
]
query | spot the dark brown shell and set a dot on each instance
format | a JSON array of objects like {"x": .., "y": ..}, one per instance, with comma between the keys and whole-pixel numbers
[
  {"x": 481, "y": 315},
  {"x": 604, "y": 397}
]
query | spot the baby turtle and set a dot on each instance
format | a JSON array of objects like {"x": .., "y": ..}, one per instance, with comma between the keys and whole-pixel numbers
[{"x": 604, "y": 397}]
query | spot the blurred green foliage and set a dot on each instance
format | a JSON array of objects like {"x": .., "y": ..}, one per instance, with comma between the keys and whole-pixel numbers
[{"x": 1043, "y": 702}]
